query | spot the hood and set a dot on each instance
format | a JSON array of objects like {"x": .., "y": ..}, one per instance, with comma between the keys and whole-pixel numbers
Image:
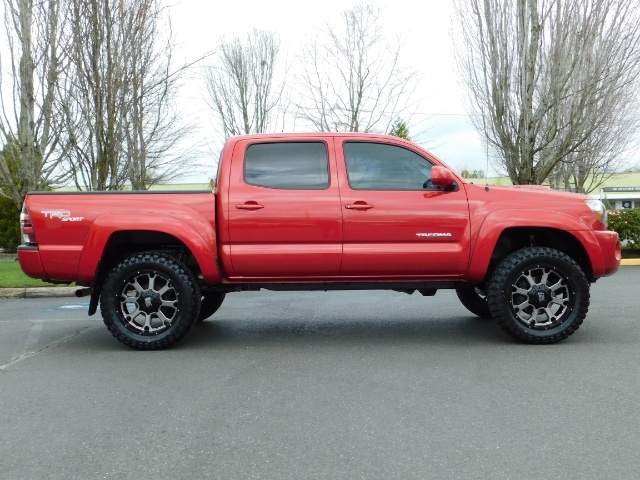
[
  {"x": 536, "y": 199},
  {"x": 540, "y": 192},
  {"x": 484, "y": 201}
]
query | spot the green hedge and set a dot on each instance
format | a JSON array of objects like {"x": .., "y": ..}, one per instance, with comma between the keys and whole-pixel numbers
[
  {"x": 627, "y": 224},
  {"x": 9, "y": 225}
]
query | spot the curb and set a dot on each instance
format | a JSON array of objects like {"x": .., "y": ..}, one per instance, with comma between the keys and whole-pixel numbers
[
  {"x": 630, "y": 261},
  {"x": 38, "y": 292}
]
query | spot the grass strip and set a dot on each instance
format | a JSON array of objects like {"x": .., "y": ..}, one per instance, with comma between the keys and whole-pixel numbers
[{"x": 11, "y": 276}]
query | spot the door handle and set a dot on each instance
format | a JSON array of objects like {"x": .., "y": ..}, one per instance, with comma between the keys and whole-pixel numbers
[
  {"x": 249, "y": 206},
  {"x": 358, "y": 206}
]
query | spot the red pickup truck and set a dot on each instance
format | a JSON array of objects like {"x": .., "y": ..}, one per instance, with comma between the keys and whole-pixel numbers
[{"x": 324, "y": 211}]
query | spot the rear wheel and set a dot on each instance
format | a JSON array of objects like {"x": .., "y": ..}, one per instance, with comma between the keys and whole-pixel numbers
[
  {"x": 210, "y": 304},
  {"x": 538, "y": 295},
  {"x": 473, "y": 300},
  {"x": 150, "y": 301}
]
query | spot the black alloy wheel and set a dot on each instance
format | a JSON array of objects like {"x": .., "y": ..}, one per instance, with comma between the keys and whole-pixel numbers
[
  {"x": 538, "y": 295},
  {"x": 150, "y": 301}
]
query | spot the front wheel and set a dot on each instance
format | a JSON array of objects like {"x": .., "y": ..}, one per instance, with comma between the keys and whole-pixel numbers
[
  {"x": 150, "y": 301},
  {"x": 473, "y": 300},
  {"x": 538, "y": 295}
]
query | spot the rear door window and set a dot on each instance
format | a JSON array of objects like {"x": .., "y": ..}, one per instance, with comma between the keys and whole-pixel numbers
[{"x": 287, "y": 165}]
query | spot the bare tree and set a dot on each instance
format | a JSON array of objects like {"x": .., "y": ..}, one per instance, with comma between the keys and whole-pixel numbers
[
  {"x": 352, "y": 78},
  {"x": 546, "y": 79},
  {"x": 600, "y": 156},
  {"x": 120, "y": 115},
  {"x": 30, "y": 126},
  {"x": 242, "y": 84},
  {"x": 97, "y": 105},
  {"x": 153, "y": 128}
]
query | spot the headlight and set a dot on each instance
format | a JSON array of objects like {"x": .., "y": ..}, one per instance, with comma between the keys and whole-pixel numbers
[{"x": 599, "y": 210}]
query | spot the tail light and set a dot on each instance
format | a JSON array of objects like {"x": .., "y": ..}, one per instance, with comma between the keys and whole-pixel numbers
[{"x": 28, "y": 233}]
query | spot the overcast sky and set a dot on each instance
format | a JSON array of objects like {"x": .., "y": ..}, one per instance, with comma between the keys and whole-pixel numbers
[{"x": 440, "y": 123}]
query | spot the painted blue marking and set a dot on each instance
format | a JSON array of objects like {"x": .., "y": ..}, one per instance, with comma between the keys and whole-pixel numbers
[{"x": 69, "y": 306}]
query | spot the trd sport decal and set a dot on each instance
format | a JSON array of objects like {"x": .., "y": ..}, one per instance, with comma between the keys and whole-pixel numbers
[{"x": 63, "y": 215}]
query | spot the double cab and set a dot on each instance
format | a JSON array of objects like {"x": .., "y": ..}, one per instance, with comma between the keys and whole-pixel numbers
[{"x": 323, "y": 211}]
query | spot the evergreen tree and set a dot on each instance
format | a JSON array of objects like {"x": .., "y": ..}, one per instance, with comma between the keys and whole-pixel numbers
[{"x": 400, "y": 129}]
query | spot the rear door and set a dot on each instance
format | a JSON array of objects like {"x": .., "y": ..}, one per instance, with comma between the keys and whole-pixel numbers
[
  {"x": 396, "y": 223},
  {"x": 285, "y": 217}
]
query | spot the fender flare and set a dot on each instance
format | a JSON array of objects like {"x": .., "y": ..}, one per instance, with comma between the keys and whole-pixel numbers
[
  {"x": 497, "y": 222},
  {"x": 197, "y": 234}
]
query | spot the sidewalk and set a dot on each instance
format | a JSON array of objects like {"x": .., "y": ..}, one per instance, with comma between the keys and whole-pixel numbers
[
  {"x": 53, "y": 292},
  {"x": 38, "y": 292}
]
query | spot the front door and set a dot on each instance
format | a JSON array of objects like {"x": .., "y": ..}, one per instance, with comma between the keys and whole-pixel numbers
[{"x": 396, "y": 223}]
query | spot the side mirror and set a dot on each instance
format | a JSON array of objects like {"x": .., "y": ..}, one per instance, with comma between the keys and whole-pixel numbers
[{"x": 441, "y": 176}]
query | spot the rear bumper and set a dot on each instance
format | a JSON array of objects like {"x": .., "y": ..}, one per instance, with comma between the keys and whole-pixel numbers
[
  {"x": 30, "y": 262},
  {"x": 611, "y": 253}
]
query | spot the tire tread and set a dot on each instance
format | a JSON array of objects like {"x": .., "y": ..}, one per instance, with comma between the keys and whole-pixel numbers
[
  {"x": 110, "y": 315},
  {"x": 498, "y": 302}
]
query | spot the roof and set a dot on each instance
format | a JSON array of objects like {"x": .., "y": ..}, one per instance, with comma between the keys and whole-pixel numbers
[{"x": 262, "y": 136}]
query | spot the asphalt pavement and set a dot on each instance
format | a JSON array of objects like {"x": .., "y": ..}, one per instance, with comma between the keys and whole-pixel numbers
[{"x": 315, "y": 385}]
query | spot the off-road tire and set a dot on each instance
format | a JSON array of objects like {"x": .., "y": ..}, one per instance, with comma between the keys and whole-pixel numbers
[
  {"x": 150, "y": 301},
  {"x": 538, "y": 295},
  {"x": 210, "y": 304},
  {"x": 473, "y": 301}
]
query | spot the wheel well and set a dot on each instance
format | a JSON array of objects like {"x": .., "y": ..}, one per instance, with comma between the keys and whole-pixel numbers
[
  {"x": 123, "y": 244},
  {"x": 513, "y": 239}
]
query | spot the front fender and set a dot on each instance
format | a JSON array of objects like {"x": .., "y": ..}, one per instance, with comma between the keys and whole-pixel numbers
[
  {"x": 198, "y": 236},
  {"x": 496, "y": 223}
]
